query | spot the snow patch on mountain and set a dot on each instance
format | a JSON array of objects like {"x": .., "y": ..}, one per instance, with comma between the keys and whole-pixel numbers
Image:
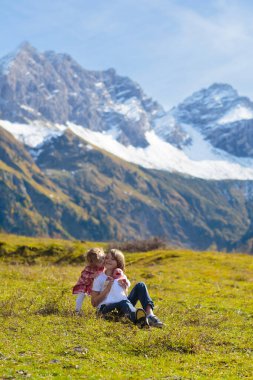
[
  {"x": 167, "y": 127},
  {"x": 240, "y": 112},
  {"x": 130, "y": 108},
  {"x": 163, "y": 156},
  {"x": 33, "y": 134},
  {"x": 199, "y": 159},
  {"x": 163, "y": 126},
  {"x": 200, "y": 149}
]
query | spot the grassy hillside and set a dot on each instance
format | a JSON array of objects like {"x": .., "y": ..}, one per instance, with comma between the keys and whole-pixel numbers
[
  {"x": 205, "y": 299},
  {"x": 134, "y": 202},
  {"x": 32, "y": 204},
  {"x": 27, "y": 250}
]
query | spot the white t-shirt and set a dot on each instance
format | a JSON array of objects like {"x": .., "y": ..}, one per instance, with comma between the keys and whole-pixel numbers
[{"x": 116, "y": 293}]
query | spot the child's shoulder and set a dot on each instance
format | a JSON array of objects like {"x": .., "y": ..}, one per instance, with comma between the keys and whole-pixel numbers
[
  {"x": 89, "y": 269},
  {"x": 101, "y": 277}
]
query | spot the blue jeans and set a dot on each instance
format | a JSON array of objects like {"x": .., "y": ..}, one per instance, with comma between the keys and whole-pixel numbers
[
  {"x": 127, "y": 307},
  {"x": 124, "y": 307},
  {"x": 140, "y": 293}
]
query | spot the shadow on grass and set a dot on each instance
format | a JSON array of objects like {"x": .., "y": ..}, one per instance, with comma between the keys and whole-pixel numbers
[{"x": 49, "y": 308}]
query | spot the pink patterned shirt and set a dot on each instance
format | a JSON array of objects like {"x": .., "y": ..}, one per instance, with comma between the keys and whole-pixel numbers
[{"x": 85, "y": 282}]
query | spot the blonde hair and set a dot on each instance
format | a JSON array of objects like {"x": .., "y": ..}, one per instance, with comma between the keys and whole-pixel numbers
[
  {"x": 119, "y": 257},
  {"x": 94, "y": 255}
]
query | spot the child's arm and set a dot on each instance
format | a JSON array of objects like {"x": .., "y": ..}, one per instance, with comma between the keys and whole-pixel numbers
[
  {"x": 98, "y": 297},
  {"x": 125, "y": 284}
]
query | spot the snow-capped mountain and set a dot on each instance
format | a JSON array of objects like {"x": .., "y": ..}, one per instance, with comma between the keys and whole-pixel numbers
[
  {"x": 54, "y": 88},
  {"x": 208, "y": 135},
  {"x": 68, "y": 176},
  {"x": 223, "y": 118}
]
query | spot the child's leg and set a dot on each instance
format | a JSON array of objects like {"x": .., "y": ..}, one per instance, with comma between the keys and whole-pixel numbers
[
  {"x": 105, "y": 309},
  {"x": 140, "y": 293},
  {"x": 79, "y": 301},
  {"x": 124, "y": 307}
]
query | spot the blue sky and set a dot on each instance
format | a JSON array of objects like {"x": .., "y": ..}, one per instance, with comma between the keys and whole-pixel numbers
[{"x": 170, "y": 47}]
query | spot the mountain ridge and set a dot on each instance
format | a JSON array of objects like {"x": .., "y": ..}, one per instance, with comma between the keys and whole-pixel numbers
[
  {"x": 55, "y": 87},
  {"x": 99, "y": 159},
  {"x": 114, "y": 113},
  {"x": 117, "y": 200}
]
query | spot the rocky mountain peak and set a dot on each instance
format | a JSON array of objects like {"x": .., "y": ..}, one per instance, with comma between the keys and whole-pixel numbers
[
  {"x": 20, "y": 56},
  {"x": 221, "y": 90},
  {"x": 203, "y": 108},
  {"x": 221, "y": 116},
  {"x": 54, "y": 87},
  {"x": 217, "y": 95},
  {"x": 26, "y": 48}
]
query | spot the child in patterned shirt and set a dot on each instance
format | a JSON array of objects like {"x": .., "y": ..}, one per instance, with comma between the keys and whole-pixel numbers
[{"x": 95, "y": 258}]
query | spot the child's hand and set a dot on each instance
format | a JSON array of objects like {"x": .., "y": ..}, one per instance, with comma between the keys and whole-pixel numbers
[
  {"x": 123, "y": 283},
  {"x": 109, "y": 282}
]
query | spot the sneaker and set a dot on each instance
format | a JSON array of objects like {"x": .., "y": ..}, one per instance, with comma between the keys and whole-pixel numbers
[
  {"x": 154, "y": 321},
  {"x": 141, "y": 318}
]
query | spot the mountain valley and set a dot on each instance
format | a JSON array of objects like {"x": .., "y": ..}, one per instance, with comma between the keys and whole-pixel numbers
[{"x": 87, "y": 155}]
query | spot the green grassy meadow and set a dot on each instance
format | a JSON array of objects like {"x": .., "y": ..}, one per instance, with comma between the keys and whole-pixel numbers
[{"x": 204, "y": 298}]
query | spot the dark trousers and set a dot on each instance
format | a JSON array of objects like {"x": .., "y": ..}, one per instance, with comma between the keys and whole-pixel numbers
[
  {"x": 127, "y": 307},
  {"x": 124, "y": 307},
  {"x": 140, "y": 293}
]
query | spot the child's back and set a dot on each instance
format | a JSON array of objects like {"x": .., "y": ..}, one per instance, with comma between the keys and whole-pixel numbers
[{"x": 95, "y": 259}]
